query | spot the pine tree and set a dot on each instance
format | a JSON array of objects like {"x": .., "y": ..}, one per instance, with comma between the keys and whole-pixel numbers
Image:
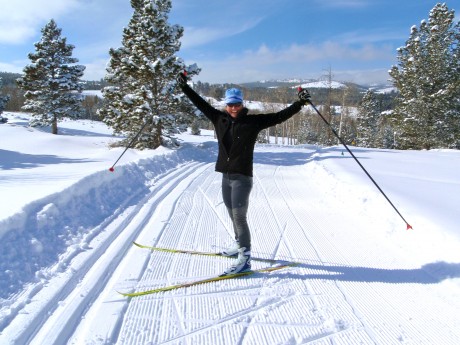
[
  {"x": 428, "y": 80},
  {"x": 141, "y": 72},
  {"x": 367, "y": 120},
  {"x": 52, "y": 81},
  {"x": 3, "y": 99}
]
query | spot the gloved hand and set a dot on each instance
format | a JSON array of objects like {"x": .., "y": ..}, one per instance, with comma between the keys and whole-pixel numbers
[
  {"x": 304, "y": 95},
  {"x": 181, "y": 79}
]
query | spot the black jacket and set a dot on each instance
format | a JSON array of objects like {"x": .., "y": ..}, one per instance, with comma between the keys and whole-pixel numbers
[{"x": 244, "y": 131}]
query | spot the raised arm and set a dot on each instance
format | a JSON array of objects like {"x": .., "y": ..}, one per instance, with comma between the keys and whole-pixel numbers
[
  {"x": 285, "y": 114},
  {"x": 208, "y": 110}
]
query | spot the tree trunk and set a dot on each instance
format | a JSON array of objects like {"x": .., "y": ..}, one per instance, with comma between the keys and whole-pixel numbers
[{"x": 54, "y": 127}]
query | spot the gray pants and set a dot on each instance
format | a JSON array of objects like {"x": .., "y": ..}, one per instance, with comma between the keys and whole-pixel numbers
[{"x": 235, "y": 192}]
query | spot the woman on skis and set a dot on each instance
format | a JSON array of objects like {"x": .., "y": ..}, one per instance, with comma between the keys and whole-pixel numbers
[{"x": 237, "y": 132}]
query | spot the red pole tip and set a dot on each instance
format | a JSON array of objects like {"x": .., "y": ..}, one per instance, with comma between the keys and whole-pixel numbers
[
  {"x": 409, "y": 227},
  {"x": 112, "y": 169}
]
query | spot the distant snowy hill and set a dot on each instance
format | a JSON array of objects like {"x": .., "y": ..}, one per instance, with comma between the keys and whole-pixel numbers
[
  {"x": 318, "y": 84},
  {"x": 322, "y": 84},
  {"x": 383, "y": 89}
]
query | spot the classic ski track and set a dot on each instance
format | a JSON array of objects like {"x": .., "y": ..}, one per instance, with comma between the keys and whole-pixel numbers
[
  {"x": 30, "y": 292},
  {"x": 218, "y": 215},
  {"x": 366, "y": 325},
  {"x": 259, "y": 288},
  {"x": 199, "y": 204},
  {"x": 73, "y": 304},
  {"x": 281, "y": 192},
  {"x": 177, "y": 314},
  {"x": 220, "y": 292},
  {"x": 282, "y": 232},
  {"x": 285, "y": 191},
  {"x": 370, "y": 320},
  {"x": 246, "y": 313},
  {"x": 175, "y": 181},
  {"x": 242, "y": 314},
  {"x": 250, "y": 311},
  {"x": 212, "y": 207}
]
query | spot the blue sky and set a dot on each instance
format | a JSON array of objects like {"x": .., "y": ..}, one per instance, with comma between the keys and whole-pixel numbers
[{"x": 233, "y": 41}]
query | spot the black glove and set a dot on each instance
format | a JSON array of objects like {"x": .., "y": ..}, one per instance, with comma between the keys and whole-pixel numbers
[
  {"x": 304, "y": 96},
  {"x": 181, "y": 79}
]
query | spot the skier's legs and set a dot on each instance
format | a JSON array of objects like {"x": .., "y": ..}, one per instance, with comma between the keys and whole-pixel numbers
[
  {"x": 236, "y": 189},
  {"x": 235, "y": 230},
  {"x": 227, "y": 196}
]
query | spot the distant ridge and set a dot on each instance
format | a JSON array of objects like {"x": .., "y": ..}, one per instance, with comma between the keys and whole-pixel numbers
[{"x": 317, "y": 84}]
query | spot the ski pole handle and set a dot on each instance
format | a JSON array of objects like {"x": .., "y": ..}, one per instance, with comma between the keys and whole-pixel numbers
[{"x": 304, "y": 95}]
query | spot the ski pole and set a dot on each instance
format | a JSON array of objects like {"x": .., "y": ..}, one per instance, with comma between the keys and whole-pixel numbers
[
  {"x": 112, "y": 168},
  {"x": 357, "y": 161}
]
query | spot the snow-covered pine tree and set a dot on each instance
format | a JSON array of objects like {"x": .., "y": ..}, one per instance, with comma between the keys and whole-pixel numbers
[
  {"x": 367, "y": 120},
  {"x": 3, "y": 99},
  {"x": 428, "y": 80},
  {"x": 142, "y": 74},
  {"x": 52, "y": 81}
]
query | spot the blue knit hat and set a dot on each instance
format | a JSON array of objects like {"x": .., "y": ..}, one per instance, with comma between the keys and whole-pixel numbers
[{"x": 233, "y": 96}]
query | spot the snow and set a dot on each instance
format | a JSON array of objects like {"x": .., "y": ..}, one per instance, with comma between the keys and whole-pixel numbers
[
  {"x": 97, "y": 93},
  {"x": 386, "y": 90},
  {"x": 67, "y": 223},
  {"x": 322, "y": 84}
]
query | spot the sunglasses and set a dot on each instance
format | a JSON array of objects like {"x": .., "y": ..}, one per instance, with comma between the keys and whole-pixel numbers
[{"x": 234, "y": 105}]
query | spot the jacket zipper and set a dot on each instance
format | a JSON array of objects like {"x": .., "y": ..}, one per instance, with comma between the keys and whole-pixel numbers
[{"x": 232, "y": 129}]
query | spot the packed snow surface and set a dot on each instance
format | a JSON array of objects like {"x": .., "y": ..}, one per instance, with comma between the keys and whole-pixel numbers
[{"x": 67, "y": 224}]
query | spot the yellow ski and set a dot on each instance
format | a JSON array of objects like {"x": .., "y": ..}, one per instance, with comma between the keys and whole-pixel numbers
[
  {"x": 194, "y": 252},
  {"x": 203, "y": 281}
]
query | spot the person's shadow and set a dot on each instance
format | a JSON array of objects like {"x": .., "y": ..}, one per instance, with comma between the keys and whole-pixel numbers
[{"x": 432, "y": 273}]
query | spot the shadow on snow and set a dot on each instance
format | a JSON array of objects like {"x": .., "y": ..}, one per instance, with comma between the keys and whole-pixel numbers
[
  {"x": 17, "y": 160},
  {"x": 431, "y": 273}
]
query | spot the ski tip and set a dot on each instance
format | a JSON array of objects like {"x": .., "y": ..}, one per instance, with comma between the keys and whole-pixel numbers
[
  {"x": 409, "y": 227},
  {"x": 124, "y": 294}
]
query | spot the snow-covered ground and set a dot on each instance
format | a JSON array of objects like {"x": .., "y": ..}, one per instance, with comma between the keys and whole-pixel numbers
[{"x": 67, "y": 223}]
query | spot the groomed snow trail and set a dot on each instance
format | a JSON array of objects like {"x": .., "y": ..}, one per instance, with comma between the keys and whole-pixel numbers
[
  {"x": 354, "y": 286},
  {"x": 326, "y": 300}
]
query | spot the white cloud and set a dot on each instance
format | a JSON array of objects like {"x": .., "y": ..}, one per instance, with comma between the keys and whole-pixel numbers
[
  {"x": 22, "y": 19},
  {"x": 328, "y": 50},
  {"x": 12, "y": 68},
  {"x": 366, "y": 76},
  {"x": 95, "y": 70},
  {"x": 371, "y": 36},
  {"x": 198, "y": 36}
]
